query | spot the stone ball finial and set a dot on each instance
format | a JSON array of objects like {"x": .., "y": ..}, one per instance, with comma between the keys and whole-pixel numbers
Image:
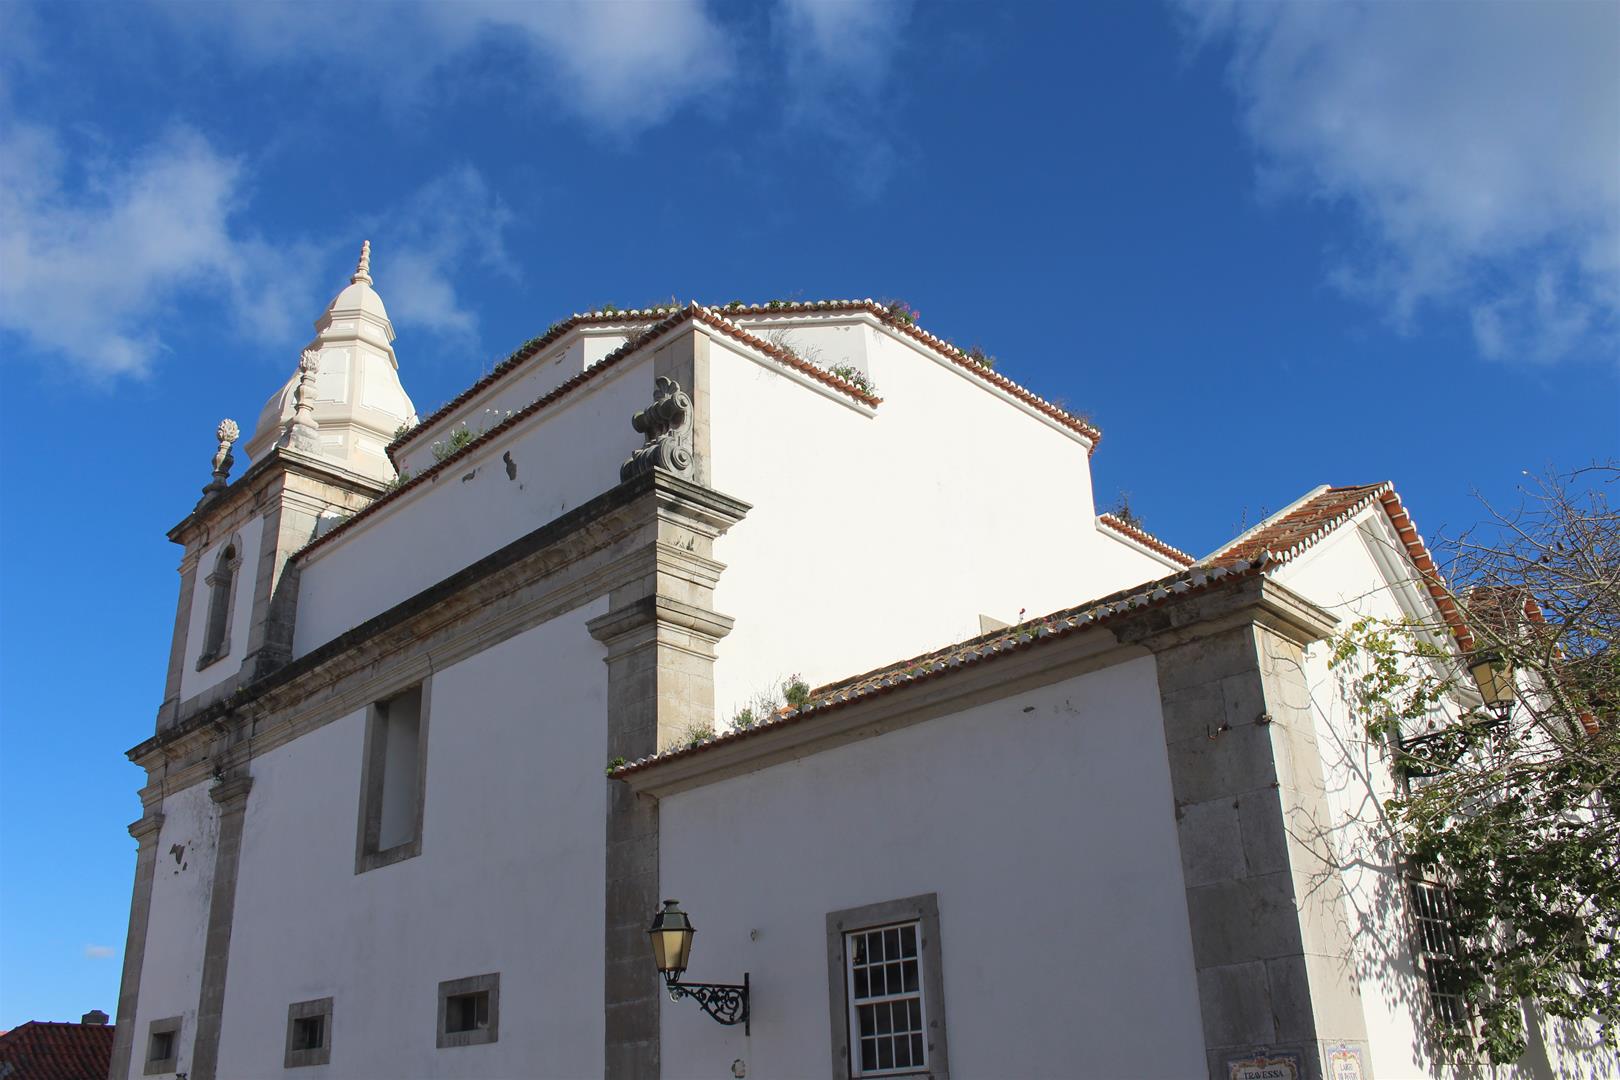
[{"x": 362, "y": 272}]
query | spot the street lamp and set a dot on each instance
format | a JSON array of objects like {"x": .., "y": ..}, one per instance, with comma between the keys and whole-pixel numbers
[
  {"x": 1494, "y": 677},
  {"x": 671, "y": 933}
]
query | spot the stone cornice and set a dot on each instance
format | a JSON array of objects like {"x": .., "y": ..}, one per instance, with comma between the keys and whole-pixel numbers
[
  {"x": 605, "y": 542},
  {"x": 1248, "y": 599},
  {"x": 248, "y": 488},
  {"x": 884, "y": 713}
]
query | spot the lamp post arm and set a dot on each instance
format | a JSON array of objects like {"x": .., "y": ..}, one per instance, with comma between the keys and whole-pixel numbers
[{"x": 725, "y": 1002}]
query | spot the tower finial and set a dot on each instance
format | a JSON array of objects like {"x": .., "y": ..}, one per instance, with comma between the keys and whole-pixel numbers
[
  {"x": 300, "y": 432},
  {"x": 363, "y": 271},
  {"x": 227, "y": 433}
]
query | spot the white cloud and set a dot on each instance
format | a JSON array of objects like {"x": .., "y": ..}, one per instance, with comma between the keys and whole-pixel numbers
[
  {"x": 94, "y": 255},
  {"x": 101, "y": 251},
  {"x": 451, "y": 222},
  {"x": 620, "y": 66},
  {"x": 837, "y": 56},
  {"x": 1478, "y": 144},
  {"x": 99, "y": 952}
]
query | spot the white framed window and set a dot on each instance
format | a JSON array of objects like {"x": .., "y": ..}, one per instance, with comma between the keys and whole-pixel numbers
[
  {"x": 886, "y": 1011},
  {"x": 1437, "y": 947},
  {"x": 887, "y": 990}
]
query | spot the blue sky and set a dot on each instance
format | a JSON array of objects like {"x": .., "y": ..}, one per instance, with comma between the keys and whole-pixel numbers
[{"x": 1263, "y": 246}]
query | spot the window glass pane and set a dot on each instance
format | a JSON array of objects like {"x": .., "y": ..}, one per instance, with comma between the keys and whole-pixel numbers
[
  {"x": 868, "y": 1054},
  {"x": 911, "y": 976},
  {"x": 885, "y": 1049},
  {"x": 908, "y": 940}
]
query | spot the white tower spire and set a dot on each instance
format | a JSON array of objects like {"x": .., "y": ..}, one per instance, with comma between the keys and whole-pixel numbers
[
  {"x": 362, "y": 273},
  {"x": 353, "y": 402}
]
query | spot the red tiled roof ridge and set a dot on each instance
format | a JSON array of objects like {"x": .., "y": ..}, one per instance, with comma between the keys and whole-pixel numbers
[
  {"x": 1145, "y": 538},
  {"x": 948, "y": 350},
  {"x": 523, "y": 352},
  {"x": 945, "y": 348},
  {"x": 694, "y": 312},
  {"x": 978, "y": 649},
  {"x": 1303, "y": 524}
]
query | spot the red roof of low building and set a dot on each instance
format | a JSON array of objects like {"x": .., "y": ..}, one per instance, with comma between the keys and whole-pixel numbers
[{"x": 43, "y": 1050}]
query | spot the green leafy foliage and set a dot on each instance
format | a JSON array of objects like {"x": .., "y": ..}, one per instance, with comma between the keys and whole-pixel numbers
[
  {"x": 1516, "y": 810},
  {"x": 795, "y": 691},
  {"x": 855, "y": 377}
]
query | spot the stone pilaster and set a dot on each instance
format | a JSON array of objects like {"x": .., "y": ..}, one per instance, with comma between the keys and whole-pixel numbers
[
  {"x": 1264, "y": 898},
  {"x": 289, "y": 524},
  {"x": 168, "y": 712},
  {"x": 660, "y": 632},
  {"x": 231, "y": 797},
  {"x": 145, "y": 831}
]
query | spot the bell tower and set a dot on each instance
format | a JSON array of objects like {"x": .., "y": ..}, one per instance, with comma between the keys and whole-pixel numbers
[{"x": 317, "y": 456}]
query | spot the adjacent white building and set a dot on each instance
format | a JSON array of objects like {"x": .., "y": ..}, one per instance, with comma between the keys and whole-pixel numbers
[{"x": 454, "y": 704}]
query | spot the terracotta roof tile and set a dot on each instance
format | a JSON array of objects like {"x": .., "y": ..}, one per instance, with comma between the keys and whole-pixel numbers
[
  {"x": 1145, "y": 538},
  {"x": 981, "y": 649},
  {"x": 1289, "y": 534},
  {"x": 644, "y": 316},
  {"x": 1267, "y": 547},
  {"x": 41, "y": 1050}
]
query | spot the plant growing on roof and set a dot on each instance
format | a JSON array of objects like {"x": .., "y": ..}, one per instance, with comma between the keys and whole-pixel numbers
[
  {"x": 795, "y": 691},
  {"x": 697, "y": 733},
  {"x": 461, "y": 436},
  {"x": 783, "y": 339},
  {"x": 980, "y": 357},
  {"x": 855, "y": 377},
  {"x": 902, "y": 312}
]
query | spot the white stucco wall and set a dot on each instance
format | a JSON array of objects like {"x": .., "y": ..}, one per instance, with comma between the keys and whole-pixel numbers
[
  {"x": 177, "y": 928},
  {"x": 873, "y": 538},
  {"x": 567, "y": 455},
  {"x": 249, "y": 537},
  {"x": 1049, "y": 837},
  {"x": 533, "y": 379},
  {"x": 510, "y": 879}
]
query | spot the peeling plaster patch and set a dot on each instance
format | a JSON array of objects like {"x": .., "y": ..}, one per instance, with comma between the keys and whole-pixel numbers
[{"x": 511, "y": 466}]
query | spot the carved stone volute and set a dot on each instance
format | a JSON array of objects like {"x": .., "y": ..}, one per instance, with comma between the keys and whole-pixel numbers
[{"x": 667, "y": 424}]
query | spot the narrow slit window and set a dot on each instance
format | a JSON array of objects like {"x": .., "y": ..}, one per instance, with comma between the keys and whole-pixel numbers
[{"x": 221, "y": 605}]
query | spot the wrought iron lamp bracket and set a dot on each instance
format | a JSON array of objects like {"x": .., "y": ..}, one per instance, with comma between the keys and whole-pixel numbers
[{"x": 727, "y": 1003}]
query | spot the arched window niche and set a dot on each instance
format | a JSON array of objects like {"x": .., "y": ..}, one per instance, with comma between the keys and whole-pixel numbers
[{"x": 221, "y": 603}]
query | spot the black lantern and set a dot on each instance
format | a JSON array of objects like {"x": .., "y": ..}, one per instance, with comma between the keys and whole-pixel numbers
[
  {"x": 1494, "y": 677},
  {"x": 671, "y": 933}
]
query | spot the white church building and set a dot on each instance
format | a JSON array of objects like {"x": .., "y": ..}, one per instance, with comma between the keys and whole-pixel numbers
[{"x": 806, "y": 618}]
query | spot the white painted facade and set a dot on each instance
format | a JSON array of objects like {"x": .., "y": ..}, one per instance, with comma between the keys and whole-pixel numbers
[
  {"x": 1034, "y": 828},
  {"x": 1044, "y": 814}
]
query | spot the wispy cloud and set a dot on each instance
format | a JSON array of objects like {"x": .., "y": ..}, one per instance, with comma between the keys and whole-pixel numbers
[
  {"x": 452, "y": 222},
  {"x": 96, "y": 248},
  {"x": 837, "y": 58},
  {"x": 100, "y": 250},
  {"x": 99, "y": 952},
  {"x": 1477, "y": 143},
  {"x": 620, "y": 67}
]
